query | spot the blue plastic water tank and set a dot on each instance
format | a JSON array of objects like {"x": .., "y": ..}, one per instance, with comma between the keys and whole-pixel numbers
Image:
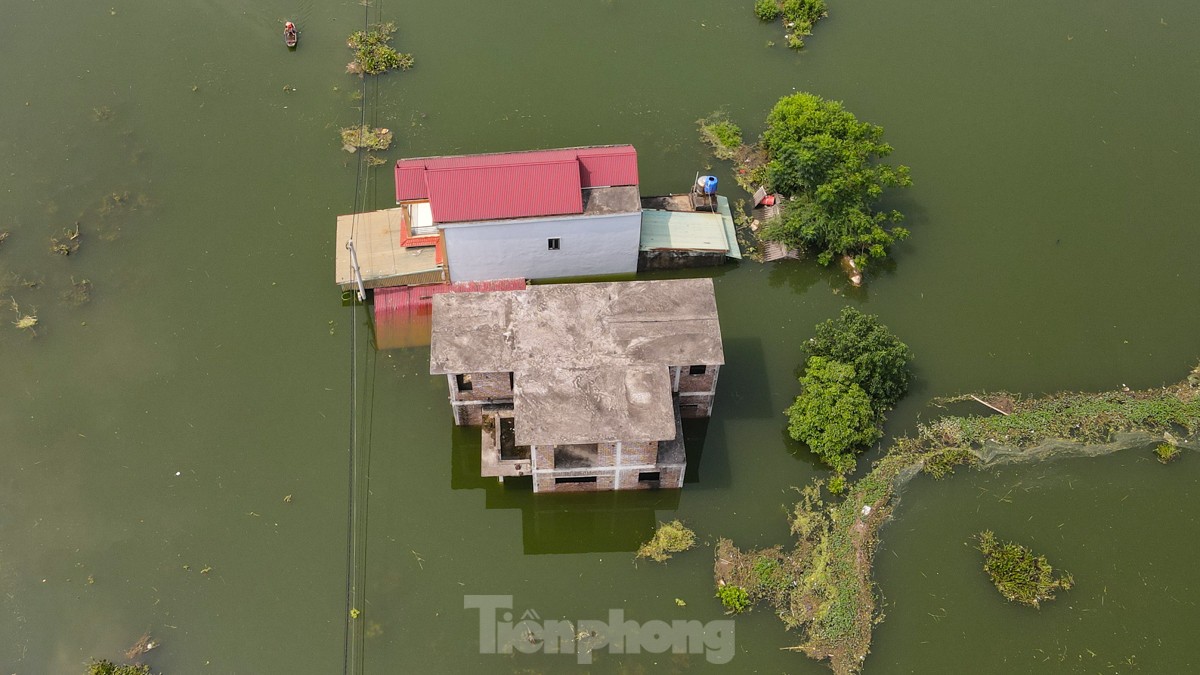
[{"x": 707, "y": 184}]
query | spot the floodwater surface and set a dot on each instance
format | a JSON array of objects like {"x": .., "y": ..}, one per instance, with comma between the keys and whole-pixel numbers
[{"x": 174, "y": 452}]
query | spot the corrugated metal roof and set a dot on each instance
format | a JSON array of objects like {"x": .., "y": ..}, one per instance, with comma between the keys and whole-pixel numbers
[
  {"x": 410, "y": 182},
  {"x": 608, "y": 167},
  {"x": 690, "y": 230},
  {"x": 594, "y": 167},
  {"x": 548, "y": 188},
  {"x": 682, "y": 230}
]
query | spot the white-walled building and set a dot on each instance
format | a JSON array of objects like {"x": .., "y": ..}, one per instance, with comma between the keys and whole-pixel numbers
[{"x": 531, "y": 215}]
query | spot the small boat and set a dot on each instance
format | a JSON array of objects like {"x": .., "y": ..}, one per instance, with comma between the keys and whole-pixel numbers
[{"x": 290, "y": 35}]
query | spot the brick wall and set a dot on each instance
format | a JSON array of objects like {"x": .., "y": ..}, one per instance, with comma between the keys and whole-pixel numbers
[
  {"x": 484, "y": 387},
  {"x": 698, "y": 383},
  {"x": 645, "y": 452}
]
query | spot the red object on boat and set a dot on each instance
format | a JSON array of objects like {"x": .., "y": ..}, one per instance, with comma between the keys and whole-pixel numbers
[
  {"x": 769, "y": 200},
  {"x": 290, "y": 35}
]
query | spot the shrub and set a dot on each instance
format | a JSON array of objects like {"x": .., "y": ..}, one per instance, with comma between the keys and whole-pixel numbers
[
  {"x": 1166, "y": 453},
  {"x": 735, "y": 598},
  {"x": 766, "y": 10}
]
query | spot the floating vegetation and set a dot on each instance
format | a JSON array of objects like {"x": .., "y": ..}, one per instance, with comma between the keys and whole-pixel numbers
[
  {"x": 66, "y": 244},
  {"x": 1018, "y": 574},
  {"x": 115, "y": 209},
  {"x": 373, "y": 160},
  {"x": 354, "y": 138},
  {"x": 79, "y": 293},
  {"x": 799, "y": 17},
  {"x": 122, "y": 201},
  {"x": 1166, "y": 453},
  {"x": 722, "y": 134},
  {"x": 106, "y": 667},
  {"x": 822, "y": 586},
  {"x": 24, "y": 321},
  {"x": 669, "y": 538},
  {"x": 141, "y": 647},
  {"x": 735, "y": 598},
  {"x": 372, "y": 53},
  {"x": 4, "y": 235},
  {"x": 102, "y": 114}
]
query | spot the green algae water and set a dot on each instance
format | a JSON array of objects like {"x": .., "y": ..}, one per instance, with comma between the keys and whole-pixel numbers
[{"x": 150, "y": 436}]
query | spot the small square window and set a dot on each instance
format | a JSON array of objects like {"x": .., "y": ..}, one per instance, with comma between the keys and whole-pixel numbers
[
  {"x": 552, "y": 244},
  {"x": 464, "y": 382},
  {"x": 697, "y": 370}
]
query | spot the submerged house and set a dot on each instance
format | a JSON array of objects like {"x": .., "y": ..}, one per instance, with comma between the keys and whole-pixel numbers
[
  {"x": 581, "y": 386},
  {"x": 531, "y": 215}
]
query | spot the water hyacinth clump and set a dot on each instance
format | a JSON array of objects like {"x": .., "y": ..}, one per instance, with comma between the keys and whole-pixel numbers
[
  {"x": 1018, "y": 574},
  {"x": 372, "y": 53}
]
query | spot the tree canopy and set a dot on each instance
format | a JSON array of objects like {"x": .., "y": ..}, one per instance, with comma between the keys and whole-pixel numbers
[
  {"x": 827, "y": 161},
  {"x": 879, "y": 358},
  {"x": 832, "y": 415}
]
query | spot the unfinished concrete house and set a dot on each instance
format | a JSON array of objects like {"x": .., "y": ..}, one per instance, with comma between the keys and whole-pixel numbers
[{"x": 581, "y": 386}]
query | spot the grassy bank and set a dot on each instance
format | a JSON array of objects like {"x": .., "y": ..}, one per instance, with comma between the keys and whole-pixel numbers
[{"x": 822, "y": 587}]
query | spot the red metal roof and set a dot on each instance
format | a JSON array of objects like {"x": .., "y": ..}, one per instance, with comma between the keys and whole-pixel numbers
[
  {"x": 546, "y": 188},
  {"x": 402, "y": 313},
  {"x": 513, "y": 184}
]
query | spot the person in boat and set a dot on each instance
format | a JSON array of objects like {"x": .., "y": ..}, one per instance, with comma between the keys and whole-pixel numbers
[{"x": 289, "y": 27}]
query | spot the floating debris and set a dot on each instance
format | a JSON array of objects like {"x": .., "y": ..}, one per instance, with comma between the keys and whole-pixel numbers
[
  {"x": 354, "y": 138},
  {"x": 79, "y": 293},
  {"x": 4, "y": 235},
  {"x": 24, "y": 321},
  {"x": 67, "y": 244},
  {"x": 102, "y": 114},
  {"x": 142, "y": 646}
]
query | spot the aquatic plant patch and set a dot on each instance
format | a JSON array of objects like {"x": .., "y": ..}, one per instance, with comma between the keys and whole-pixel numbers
[
  {"x": 372, "y": 53},
  {"x": 1019, "y": 574},
  {"x": 668, "y": 539},
  {"x": 364, "y": 136}
]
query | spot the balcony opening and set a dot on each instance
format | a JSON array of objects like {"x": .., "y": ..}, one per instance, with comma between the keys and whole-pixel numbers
[{"x": 464, "y": 382}]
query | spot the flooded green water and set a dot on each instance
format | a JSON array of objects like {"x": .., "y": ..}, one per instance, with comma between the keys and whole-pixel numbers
[{"x": 155, "y": 431}]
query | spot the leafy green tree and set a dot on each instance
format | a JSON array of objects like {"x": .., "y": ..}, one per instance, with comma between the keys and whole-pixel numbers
[
  {"x": 827, "y": 161},
  {"x": 832, "y": 415},
  {"x": 879, "y": 358}
]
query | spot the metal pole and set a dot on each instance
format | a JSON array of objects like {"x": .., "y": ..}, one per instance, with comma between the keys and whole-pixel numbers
[{"x": 362, "y": 292}]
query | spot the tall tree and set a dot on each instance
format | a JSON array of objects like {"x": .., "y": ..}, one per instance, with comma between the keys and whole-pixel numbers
[
  {"x": 827, "y": 161},
  {"x": 879, "y": 358},
  {"x": 832, "y": 415}
]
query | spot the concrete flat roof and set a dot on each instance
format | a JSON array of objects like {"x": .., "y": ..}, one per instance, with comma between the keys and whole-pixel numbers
[{"x": 590, "y": 361}]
